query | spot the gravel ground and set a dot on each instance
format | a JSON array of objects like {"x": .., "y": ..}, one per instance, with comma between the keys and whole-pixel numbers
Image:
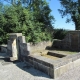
[{"x": 22, "y": 71}]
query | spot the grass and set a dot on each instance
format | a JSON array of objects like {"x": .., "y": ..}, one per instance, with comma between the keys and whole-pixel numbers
[{"x": 64, "y": 52}]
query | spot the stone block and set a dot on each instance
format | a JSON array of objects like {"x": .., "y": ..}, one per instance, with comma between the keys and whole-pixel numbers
[
  {"x": 13, "y": 45},
  {"x": 62, "y": 69},
  {"x": 30, "y": 57},
  {"x": 40, "y": 46},
  {"x": 21, "y": 39},
  {"x": 78, "y": 56},
  {"x": 74, "y": 58},
  {"x": 76, "y": 63},
  {"x": 3, "y": 48},
  {"x": 13, "y": 58},
  {"x": 46, "y": 63},
  {"x": 35, "y": 64},
  {"x": 9, "y": 47},
  {"x": 43, "y": 68},
  {"x": 38, "y": 60},
  {"x": 28, "y": 47},
  {"x": 24, "y": 49},
  {"x": 31, "y": 61},
  {"x": 51, "y": 72}
]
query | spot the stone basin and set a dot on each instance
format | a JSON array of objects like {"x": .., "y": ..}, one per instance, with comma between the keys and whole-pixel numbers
[
  {"x": 54, "y": 64},
  {"x": 53, "y": 55}
]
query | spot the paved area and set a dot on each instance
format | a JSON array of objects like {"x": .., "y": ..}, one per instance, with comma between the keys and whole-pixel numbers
[{"x": 22, "y": 71}]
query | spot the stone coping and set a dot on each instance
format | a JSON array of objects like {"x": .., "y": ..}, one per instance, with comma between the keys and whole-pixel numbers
[
  {"x": 74, "y": 31},
  {"x": 3, "y": 45},
  {"x": 55, "y": 63},
  {"x": 17, "y": 34},
  {"x": 56, "y": 54}
]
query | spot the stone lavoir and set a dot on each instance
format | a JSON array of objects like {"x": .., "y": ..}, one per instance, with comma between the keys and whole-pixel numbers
[{"x": 53, "y": 64}]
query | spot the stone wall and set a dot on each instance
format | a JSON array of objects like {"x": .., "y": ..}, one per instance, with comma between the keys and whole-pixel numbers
[
  {"x": 29, "y": 48},
  {"x": 3, "y": 48},
  {"x": 70, "y": 42},
  {"x": 40, "y": 46},
  {"x": 18, "y": 48},
  {"x": 25, "y": 49}
]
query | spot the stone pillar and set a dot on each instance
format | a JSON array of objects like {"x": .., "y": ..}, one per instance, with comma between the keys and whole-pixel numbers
[
  {"x": 21, "y": 39},
  {"x": 28, "y": 47},
  {"x": 25, "y": 49},
  {"x": 14, "y": 51},
  {"x": 9, "y": 48},
  {"x": 13, "y": 46}
]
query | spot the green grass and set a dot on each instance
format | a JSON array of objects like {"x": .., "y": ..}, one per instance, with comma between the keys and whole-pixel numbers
[{"x": 64, "y": 52}]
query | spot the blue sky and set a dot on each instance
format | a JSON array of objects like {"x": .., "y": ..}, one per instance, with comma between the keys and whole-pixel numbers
[{"x": 60, "y": 22}]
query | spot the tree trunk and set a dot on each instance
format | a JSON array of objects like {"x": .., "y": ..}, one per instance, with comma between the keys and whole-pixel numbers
[{"x": 77, "y": 26}]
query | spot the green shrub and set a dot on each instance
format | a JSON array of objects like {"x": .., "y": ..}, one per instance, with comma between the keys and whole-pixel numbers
[{"x": 59, "y": 33}]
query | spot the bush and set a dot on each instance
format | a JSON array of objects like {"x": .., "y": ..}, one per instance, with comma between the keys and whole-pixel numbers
[{"x": 59, "y": 33}]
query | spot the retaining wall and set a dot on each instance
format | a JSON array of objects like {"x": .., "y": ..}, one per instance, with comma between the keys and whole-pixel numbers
[{"x": 40, "y": 46}]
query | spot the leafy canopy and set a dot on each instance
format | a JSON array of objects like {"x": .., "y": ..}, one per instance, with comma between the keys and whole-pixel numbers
[
  {"x": 71, "y": 8},
  {"x": 33, "y": 20}
]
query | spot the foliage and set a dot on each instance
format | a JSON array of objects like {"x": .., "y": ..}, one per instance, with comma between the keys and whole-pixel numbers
[
  {"x": 59, "y": 33},
  {"x": 71, "y": 8},
  {"x": 34, "y": 21}
]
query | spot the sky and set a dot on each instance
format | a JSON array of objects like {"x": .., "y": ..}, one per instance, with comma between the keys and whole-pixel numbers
[{"x": 60, "y": 22}]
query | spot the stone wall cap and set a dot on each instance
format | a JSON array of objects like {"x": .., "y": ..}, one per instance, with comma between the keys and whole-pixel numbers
[
  {"x": 74, "y": 31},
  {"x": 18, "y": 34},
  {"x": 3, "y": 45}
]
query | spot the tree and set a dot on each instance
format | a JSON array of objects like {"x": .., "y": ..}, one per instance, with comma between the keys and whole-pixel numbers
[
  {"x": 40, "y": 8},
  {"x": 34, "y": 20},
  {"x": 72, "y": 9},
  {"x": 59, "y": 33}
]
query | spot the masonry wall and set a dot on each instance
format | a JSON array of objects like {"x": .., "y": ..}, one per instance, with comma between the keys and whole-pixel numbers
[
  {"x": 3, "y": 48},
  {"x": 55, "y": 68},
  {"x": 70, "y": 42},
  {"x": 40, "y": 46},
  {"x": 28, "y": 48}
]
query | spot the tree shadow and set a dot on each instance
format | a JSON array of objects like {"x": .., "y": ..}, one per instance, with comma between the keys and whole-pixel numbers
[{"x": 25, "y": 66}]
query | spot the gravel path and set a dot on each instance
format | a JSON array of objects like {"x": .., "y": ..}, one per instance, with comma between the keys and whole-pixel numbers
[{"x": 22, "y": 71}]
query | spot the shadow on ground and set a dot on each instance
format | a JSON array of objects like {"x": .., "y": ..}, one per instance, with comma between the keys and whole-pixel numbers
[
  {"x": 29, "y": 68},
  {"x": 25, "y": 66}
]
